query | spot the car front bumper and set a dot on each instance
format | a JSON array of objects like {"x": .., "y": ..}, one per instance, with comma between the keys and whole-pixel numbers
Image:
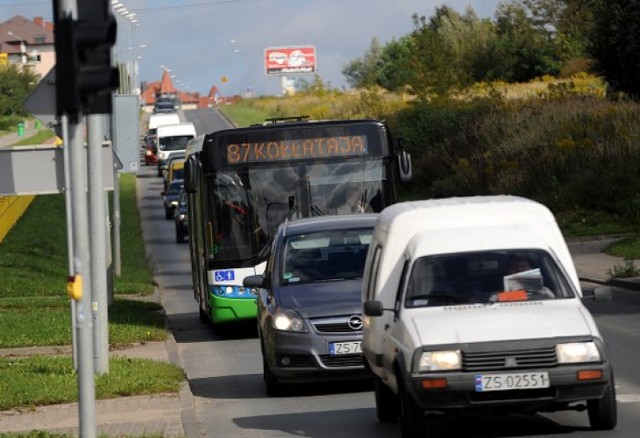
[
  {"x": 460, "y": 392},
  {"x": 304, "y": 357}
]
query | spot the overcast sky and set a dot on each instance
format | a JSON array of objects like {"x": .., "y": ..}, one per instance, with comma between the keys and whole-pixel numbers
[{"x": 201, "y": 41}]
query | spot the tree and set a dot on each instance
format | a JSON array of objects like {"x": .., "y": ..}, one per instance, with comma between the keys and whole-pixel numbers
[
  {"x": 364, "y": 72},
  {"x": 615, "y": 43},
  {"x": 15, "y": 85}
]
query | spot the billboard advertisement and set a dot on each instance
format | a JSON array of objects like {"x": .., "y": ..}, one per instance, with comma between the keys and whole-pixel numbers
[{"x": 290, "y": 59}]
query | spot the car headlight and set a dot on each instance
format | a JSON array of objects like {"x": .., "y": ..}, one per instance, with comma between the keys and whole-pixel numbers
[
  {"x": 445, "y": 360},
  {"x": 578, "y": 352},
  {"x": 182, "y": 217},
  {"x": 289, "y": 321}
]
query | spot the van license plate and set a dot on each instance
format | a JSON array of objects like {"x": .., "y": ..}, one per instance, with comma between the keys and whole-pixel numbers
[
  {"x": 505, "y": 382},
  {"x": 338, "y": 348}
]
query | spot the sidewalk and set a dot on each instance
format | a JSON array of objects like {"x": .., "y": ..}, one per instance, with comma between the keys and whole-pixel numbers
[{"x": 173, "y": 415}]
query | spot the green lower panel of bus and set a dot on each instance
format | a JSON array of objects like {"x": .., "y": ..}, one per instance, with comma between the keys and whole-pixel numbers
[{"x": 232, "y": 309}]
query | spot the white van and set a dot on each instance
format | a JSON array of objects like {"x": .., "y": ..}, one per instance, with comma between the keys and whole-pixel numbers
[
  {"x": 474, "y": 304},
  {"x": 172, "y": 139}
]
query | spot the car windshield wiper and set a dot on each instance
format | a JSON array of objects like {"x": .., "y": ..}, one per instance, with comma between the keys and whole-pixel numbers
[
  {"x": 442, "y": 297},
  {"x": 316, "y": 210}
]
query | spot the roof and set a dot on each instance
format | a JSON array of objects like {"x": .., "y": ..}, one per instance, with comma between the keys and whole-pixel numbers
[
  {"x": 330, "y": 222},
  {"x": 34, "y": 34},
  {"x": 166, "y": 86}
]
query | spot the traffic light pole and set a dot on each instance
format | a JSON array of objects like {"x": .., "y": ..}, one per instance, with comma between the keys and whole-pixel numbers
[
  {"x": 82, "y": 273},
  {"x": 98, "y": 232}
]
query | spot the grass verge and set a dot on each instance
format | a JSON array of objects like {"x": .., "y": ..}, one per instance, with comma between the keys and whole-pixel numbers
[
  {"x": 45, "y": 380},
  {"x": 35, "y": 311},
  {"x": 40, "y": 138}
]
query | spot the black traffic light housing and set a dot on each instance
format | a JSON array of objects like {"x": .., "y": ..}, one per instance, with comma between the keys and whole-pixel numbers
[{"x": 85, "y": 76}]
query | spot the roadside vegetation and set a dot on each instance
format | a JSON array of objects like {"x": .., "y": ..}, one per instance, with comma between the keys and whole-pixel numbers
[
  {"x": 40, "y": 137},
  {"x": 35, "y": 311}
]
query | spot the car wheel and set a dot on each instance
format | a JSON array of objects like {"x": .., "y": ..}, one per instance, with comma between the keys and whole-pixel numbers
[
  {"x": 603, "y": 412},
  {"x": 167, "y": 213},
  {"x": 387, "y": 402},
  {"x": 412, "y": 421},
  {"x": 274, "y": 387},
  {"x": 179, "y": 235}
]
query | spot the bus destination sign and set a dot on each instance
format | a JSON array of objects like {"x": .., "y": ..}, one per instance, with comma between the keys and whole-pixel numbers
[{"x": 299, "y": 149}]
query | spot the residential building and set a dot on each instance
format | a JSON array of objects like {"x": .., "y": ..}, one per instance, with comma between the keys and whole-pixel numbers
[{"x": 28, "y": 43}]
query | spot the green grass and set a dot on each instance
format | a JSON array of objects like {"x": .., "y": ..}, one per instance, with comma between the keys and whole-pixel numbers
[
  {"x": 245, "y": 114},
  {"x": 35, "y": 311},
  {"x": 38, "y": 138},
  {"x": 44, "y": 380}
]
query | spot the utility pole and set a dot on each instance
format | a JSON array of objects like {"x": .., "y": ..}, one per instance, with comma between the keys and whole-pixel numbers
[{"x": 85, "y": 78}]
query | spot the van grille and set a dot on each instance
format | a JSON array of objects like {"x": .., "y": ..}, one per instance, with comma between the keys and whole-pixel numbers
[{"x": 509, "y": 360}]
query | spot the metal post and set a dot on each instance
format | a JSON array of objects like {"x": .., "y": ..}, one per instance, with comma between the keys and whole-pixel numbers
[
  {"x": 97, "y": 231},
  {"x": 67, "y": 197},
  {"x": 86, "y": 383},
  {"x": 81, "y": 268},
  {"x": 116, "y": 222}
]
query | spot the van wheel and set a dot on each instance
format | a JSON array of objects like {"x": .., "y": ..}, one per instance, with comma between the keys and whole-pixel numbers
[
  {"x": 412, "y": 421},
  {"x": 387, "y": 402},
  {"x": 274, "y": 387},
  {"x": 603, "y": 412}
]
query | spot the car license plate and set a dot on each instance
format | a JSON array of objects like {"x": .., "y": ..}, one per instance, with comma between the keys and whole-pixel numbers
[
  {"x": 505, "y": 382},
  {"x": 338, "y": 348}
]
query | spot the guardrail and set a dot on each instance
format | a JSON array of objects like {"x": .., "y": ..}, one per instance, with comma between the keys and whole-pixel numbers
[{"x": 11, "y": 209}]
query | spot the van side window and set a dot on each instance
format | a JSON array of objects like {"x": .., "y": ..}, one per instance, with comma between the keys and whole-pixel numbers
[
  {"x": 373, "y": 275},
  {"x": 401, "y": 285}
]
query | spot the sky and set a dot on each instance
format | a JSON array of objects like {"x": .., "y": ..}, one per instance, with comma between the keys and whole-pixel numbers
[{"x": 204, "y": 42}]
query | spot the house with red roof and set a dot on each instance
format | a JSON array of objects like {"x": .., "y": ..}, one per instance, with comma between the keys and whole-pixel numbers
[{"x": 28, "y": 43}]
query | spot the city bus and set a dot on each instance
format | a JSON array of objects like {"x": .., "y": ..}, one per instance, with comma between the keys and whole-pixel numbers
[{"x": 242, "y": 183}]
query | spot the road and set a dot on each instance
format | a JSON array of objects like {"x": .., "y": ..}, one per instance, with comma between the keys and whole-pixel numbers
[{"x": 225, "y": 371}]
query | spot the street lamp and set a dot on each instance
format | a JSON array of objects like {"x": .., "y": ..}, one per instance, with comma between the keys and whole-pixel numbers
[{"x": 23, "y": 47}]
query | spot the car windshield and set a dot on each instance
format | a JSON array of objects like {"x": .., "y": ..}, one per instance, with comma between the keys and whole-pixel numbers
[
  {"x": 485, "y": 277},
  {"x": 174, "y": 189},
  {"x": 325, "y": 256},
  {"x": 174, "y": 143}
]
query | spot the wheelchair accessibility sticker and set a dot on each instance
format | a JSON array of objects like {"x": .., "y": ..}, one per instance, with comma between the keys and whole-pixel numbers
[{"x": 226, "y": 275}]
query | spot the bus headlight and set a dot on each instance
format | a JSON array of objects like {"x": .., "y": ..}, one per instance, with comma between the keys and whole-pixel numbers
[
  {"x": 289, "y": 321},
  {"x": 445, "y": 360},
  {"x": 577, "y": 352}
]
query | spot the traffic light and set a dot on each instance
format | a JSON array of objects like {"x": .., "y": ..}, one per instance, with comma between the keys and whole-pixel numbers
[{"x": 85, "y": 77}]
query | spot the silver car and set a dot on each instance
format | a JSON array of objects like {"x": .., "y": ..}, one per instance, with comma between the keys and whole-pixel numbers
[{"x": 309, "y": 301}]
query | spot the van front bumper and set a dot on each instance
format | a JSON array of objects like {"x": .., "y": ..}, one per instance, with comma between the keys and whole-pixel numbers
[{"x": 460, "y": 391}]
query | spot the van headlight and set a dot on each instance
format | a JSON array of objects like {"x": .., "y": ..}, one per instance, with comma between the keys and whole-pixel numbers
[
  {"x": 577, "y": 352},
  {"x": 445, "y": 360},
  {"x": 288, "y": 320}
]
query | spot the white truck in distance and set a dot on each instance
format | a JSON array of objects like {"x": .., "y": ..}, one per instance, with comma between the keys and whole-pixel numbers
[{"x": 474, "y": 304}]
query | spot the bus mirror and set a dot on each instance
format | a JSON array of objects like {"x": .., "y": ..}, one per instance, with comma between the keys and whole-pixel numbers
[
  {"x": 191, "y": 175},
  {"x": 404, "y": 167}
]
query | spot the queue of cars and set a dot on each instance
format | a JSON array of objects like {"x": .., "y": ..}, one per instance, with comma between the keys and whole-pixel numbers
[{"x": 427, "y": 300}]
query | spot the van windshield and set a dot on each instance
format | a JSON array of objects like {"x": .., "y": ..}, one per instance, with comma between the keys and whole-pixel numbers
[
  {"x": 174, "y": 143},
  {"x": 485, "y": 277}
]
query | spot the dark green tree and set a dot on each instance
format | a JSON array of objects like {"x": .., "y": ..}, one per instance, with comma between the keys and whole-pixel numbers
[
  {"x": 15, "y": 85},
  {"x": 615, "y": 43},
  {"x": 365, "y": 72},
  {"x": 525, "y": 43}
]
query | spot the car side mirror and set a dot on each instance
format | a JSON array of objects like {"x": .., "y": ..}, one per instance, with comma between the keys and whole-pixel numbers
[
  {"x": 373, "y": 308},
  {"x": 600, "y": 293},
  {"x": 254, "y": 281}
]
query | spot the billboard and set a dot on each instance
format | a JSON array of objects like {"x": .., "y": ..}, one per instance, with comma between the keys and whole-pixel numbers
[{"x": 290, "y": 59}]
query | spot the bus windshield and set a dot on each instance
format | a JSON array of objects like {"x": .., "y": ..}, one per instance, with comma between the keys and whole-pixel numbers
[{"x": 248, "y": 203}]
